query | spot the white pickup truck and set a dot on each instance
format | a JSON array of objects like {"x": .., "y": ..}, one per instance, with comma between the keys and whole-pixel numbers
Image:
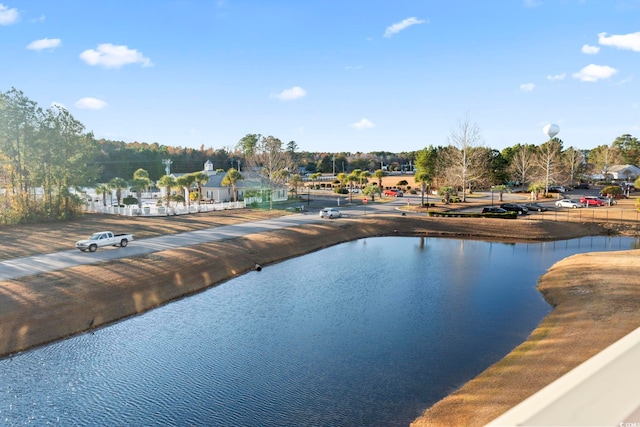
[{"x": 104, "y": 238}]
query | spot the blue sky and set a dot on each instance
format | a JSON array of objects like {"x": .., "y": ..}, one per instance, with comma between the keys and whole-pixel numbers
[{"x": 332, "y": 75}]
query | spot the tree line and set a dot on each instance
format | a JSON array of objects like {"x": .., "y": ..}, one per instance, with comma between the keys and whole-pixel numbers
[
  {"x": 465, "y": 164},
  {"x": 48, "y": 157}
]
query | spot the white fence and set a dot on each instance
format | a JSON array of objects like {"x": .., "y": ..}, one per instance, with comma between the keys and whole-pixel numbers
[{"x": 151, "y": 210}]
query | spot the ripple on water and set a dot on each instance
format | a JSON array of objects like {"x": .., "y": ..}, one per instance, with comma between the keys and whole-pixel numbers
[{"x": 366, "y": 333}]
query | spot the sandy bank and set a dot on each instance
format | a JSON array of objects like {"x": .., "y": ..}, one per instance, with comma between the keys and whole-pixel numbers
[
  {"x": 47, "y": 307},
  {"x": 596, "y": 300}
]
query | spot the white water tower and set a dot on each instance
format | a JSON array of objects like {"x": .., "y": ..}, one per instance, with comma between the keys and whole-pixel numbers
[{"x": 551, "y": 130}]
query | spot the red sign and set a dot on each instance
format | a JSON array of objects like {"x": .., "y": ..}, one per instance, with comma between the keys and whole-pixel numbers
[{"x": 364, "y": 200}]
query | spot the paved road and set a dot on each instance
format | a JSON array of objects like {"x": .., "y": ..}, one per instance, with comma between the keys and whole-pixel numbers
[
  {"x": 19, "y": 267},
  {"x": 26, "y": 266}
]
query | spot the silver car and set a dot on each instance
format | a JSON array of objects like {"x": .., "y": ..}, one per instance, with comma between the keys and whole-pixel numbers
[
  {"x": 568, "y": 203},
  {"x": 330, "y": 213}
]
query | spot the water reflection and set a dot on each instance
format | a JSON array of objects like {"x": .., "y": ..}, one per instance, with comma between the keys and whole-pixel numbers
[{"x": 369, "y": 332}]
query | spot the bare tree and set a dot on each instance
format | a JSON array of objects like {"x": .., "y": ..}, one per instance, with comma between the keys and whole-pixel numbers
[
  {"x": 522, "y": 163},
  {"x": 574, "y": 160},
  {"x": 603, "y": 157},
  {"x": 548, "y": 160},
  {"x": 466, "y": 162},
  {"x": 269, "y": 157}
]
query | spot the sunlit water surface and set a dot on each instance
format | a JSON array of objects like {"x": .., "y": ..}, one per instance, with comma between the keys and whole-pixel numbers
[{"x": 366, "y": 333}]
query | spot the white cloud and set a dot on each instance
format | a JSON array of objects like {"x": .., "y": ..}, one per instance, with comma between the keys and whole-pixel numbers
[
  {"x": 593, "y": 73},
  {"x": 90, "y": 104},
  {"x": 112, "y": 56},
  {"x": 590, "y": 50},
  {"x": 557, "y": 77},
  {"x": 44, "y": 44},
  {"x": 290, "y": 94},
  {"x": 399, "y": 26},
  {"x": 624, "y": 41},
  {"x": 363, "y": 124},
  {"x": 8, "y": 16},
  {"x": 527, "y": 87}
]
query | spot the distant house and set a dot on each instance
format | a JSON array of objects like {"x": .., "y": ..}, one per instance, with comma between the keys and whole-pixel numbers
[
  {"x": 624, "y": 172},
  {"x": 214, "y": 191},
  {"x": 619, "y": 173}
]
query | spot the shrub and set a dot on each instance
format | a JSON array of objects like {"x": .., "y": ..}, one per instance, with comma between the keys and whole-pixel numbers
[
  {"x": 452, "y": 199},
  {"x": 612, "y": 189},
  {"x": 130, "y": 200}
]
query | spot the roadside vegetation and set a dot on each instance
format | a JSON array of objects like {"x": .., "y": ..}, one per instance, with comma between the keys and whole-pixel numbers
[{"x": 49, "y": 159}]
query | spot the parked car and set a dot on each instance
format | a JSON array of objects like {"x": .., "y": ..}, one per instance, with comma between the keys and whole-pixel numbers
[
  {"x": 330, "y": 213},
  {"x": 557, "y": 189},
  {"x": 589, "y": 201},
  {"x": 393, "y": 192},
  {"x": 607, "y": 201},
  {"x": 568, "y": 203},
  {"x": 582, "y": 186},
  {"x": 514, "y": 207},
  {"x": 535, "y": 207},
  {"x": 614, "y": 196},
  {"x": 494, "y": 209}
]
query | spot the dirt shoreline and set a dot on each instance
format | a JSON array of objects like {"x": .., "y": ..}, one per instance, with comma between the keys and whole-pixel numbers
[{"x": 47, "y": 307}]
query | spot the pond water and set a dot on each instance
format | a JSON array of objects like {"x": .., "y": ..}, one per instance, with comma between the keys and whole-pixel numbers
[{"x": 366, "y": 333}]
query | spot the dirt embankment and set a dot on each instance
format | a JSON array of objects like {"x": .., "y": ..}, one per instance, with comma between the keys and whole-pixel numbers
[
  {"x": 47, "y": 307},
  {"x": 596, "y": 301}
]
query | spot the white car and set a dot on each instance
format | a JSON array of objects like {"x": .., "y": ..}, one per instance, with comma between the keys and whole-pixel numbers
[
  {"x": 330, "y": 213},
  {"x": 568, "y": 203}
]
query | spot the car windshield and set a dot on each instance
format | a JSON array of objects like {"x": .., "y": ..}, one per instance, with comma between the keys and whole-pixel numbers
[{"x": 95, "y": 236}]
